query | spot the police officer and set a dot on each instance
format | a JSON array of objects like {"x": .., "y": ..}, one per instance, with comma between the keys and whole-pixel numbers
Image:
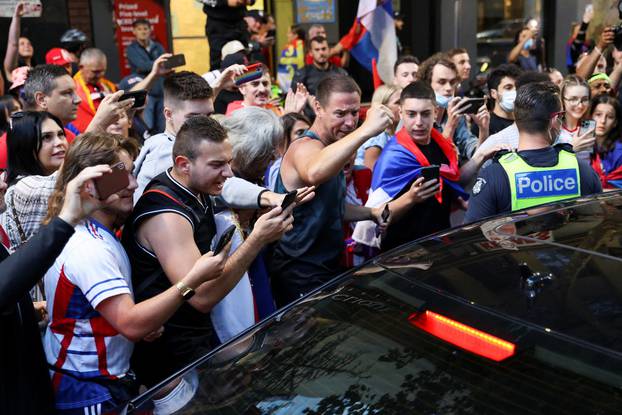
[{"x": 537, "y": 172}]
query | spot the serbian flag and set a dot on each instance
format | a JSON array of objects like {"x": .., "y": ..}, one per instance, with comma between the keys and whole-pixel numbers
[
  {"x": 611, "y": 179},
  {"x": 398, "y": 166},
  {"x": 375, "y": 38}
]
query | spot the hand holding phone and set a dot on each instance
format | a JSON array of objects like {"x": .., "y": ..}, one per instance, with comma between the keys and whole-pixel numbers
[
  {"x": 473, "y": 105},
  {"x": 224, "y": 239},
  {"x": 111, "y": 183}
]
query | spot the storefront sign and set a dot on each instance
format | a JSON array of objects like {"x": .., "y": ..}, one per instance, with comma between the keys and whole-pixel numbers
[
  {"x": 126, "y": 12},
  {"x": 315, "y": 11}
]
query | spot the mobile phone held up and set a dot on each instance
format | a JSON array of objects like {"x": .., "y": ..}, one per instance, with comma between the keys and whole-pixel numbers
[
  {"x": 474, "y": 104},
  {"x": 175, "y": 61},
  {"x": 430, "y": 172},
  {"x": 140, "y": 97},
  {"x": 289, "y": 199},
  {"x": 224, "y": 239},
  {"x": 586, "y": 126},
  {"x": 111, "y": 183},
  {"x": 253, "y": 72}
]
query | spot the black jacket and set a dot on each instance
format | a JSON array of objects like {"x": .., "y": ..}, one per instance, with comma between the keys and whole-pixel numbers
[{"x": 25, "y": 386}]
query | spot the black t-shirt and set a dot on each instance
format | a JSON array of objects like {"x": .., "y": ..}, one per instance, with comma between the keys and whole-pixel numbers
[
  {"x": 491, "y": 193},
  {"x": 496, "y": 124},
  {"x": 424, "y": 218}
]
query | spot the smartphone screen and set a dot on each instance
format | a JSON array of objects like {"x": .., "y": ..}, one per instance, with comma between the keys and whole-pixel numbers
[
  {"x": 289, "y": 199},
  {"x": 473, "y": 106},
  {"x": 140, "y": 97},
  {"x": 112, "y": 183},
  {"x": 430, "y": 173},
  {"x": 224, "y": 239},
  {"x": 175, "y": 61}
]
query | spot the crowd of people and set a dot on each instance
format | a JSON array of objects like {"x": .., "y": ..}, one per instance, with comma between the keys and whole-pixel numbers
[{"x": 101, "y": 296}]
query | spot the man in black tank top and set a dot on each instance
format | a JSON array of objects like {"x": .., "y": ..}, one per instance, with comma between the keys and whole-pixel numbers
[
  {"x": 171, "y": 226},
  {"x": 310, "y": 254}
]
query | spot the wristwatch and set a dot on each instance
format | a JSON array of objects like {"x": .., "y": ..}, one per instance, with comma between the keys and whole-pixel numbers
[{"x": 184, "y": 290}]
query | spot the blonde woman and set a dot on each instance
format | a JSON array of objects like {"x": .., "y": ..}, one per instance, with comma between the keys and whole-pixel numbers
[{"x": 368, "y": 153}]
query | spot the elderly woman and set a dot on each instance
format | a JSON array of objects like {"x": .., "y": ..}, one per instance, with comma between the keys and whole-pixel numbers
[{"x": 255, "y": 134}]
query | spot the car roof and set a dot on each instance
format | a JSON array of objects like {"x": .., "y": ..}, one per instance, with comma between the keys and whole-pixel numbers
[{"x": 548, "y": 279}]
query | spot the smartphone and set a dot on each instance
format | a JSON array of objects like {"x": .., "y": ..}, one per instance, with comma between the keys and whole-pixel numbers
[
  {"x": 140, "y": 97},
  {"x": 224, "y": 239},
  {"x": 254, "y": 71},
  {"x": 430, "y": 172},
  {"x": 587, "y": 125},
  {"x": 473, "y": 105},
  {"x": 111, "y": 183},
  {"x": 175, "y": 61},
  {"x": 385, "y": 213},
  {"x": 289, "y": 199}
]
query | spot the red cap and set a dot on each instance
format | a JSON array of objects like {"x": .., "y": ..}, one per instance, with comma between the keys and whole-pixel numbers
[{"x": 58, "y": 56}]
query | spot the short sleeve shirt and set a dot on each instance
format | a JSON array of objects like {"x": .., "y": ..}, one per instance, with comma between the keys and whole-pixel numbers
[{"x": 79, "y": 342}]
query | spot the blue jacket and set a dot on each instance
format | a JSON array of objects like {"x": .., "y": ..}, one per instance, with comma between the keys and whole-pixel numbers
[{"x": 141, "y": 60}]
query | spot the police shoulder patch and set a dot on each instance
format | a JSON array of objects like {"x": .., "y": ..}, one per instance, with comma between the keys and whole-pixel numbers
[{"x": 479, "y": 184}]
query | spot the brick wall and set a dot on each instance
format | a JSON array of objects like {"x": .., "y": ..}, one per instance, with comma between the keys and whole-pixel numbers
[{"x": 79, "y": 12}]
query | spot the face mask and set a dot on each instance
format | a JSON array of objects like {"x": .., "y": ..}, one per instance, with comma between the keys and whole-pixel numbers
[
  {"x": 528, "y": 44},
  {"x": 507, "y": 101},
  {"x": 442, "y": 101}
]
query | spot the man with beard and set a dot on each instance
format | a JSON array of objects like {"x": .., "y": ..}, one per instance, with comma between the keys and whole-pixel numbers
[
  {"x": 538, "y": 172},
  {"x": 311, "y": 75}
]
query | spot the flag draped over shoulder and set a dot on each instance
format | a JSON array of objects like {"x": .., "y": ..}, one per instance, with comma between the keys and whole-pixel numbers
[
  {"x": 376, "y": 38},
  {"x": 292, "y": 58},
  {"x": 610, "y": 180},
  {"x": 398, "y": 166}
]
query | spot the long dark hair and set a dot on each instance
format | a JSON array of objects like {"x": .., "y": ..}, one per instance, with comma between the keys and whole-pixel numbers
[
  {"x": 615, "y": 133},
  {"x": 7, "y": 107},
  {"x": 24, "y": 141}
]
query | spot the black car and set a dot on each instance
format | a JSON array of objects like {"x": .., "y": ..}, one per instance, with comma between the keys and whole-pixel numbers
[{"x": 514, "y": 315}]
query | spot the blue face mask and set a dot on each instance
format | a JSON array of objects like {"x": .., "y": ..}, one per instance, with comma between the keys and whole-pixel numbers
[
  {"x": 528, "y": 44},
  {"x": 442, "y": 101}
]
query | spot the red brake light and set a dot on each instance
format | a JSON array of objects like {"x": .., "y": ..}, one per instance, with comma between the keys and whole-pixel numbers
[{"x": 461, "y": 335}]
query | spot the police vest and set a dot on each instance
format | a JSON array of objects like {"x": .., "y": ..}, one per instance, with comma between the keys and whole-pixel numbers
[{"x": 532, "y": 186}]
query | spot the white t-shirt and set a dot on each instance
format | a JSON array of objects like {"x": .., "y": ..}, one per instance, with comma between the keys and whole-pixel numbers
[{"x": 78, "y": 341}]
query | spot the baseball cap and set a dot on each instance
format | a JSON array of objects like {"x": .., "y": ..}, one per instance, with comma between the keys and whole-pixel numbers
[
  {"x": 258, "y": 15},
  {"x": 237, "y": 58},
  {"x": 231, "y": 47},
  {"x": 19, "y": 75},
  {"x": 58, "y": 56}
]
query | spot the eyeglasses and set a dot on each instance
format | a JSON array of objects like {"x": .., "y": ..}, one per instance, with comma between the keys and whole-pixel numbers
[{"x": 577, "y": 100}]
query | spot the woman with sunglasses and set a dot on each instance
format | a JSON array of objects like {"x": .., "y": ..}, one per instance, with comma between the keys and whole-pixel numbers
[
  {"x": 575, "y": 93},
  {"x": 607, "y": 157}
]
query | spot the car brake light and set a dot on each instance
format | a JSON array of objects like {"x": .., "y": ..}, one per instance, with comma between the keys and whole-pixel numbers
[{"x": 461, "y": 335}]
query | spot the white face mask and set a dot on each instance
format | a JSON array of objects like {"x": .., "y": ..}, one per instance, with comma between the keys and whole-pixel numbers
[{"x": 507, "y": 101}]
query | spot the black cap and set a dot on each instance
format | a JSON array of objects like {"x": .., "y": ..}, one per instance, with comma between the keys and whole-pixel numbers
[
  {"x": 238, "y": 58},
  {"x": 258, "y": 15},
  {"x": 398, "y": 16}
]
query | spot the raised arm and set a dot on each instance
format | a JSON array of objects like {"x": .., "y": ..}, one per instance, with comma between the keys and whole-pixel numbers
[
  {"x": 316, "y": 164},
  {"x": 12, "y": 47},
  {"x": 586, "y": 66}
]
